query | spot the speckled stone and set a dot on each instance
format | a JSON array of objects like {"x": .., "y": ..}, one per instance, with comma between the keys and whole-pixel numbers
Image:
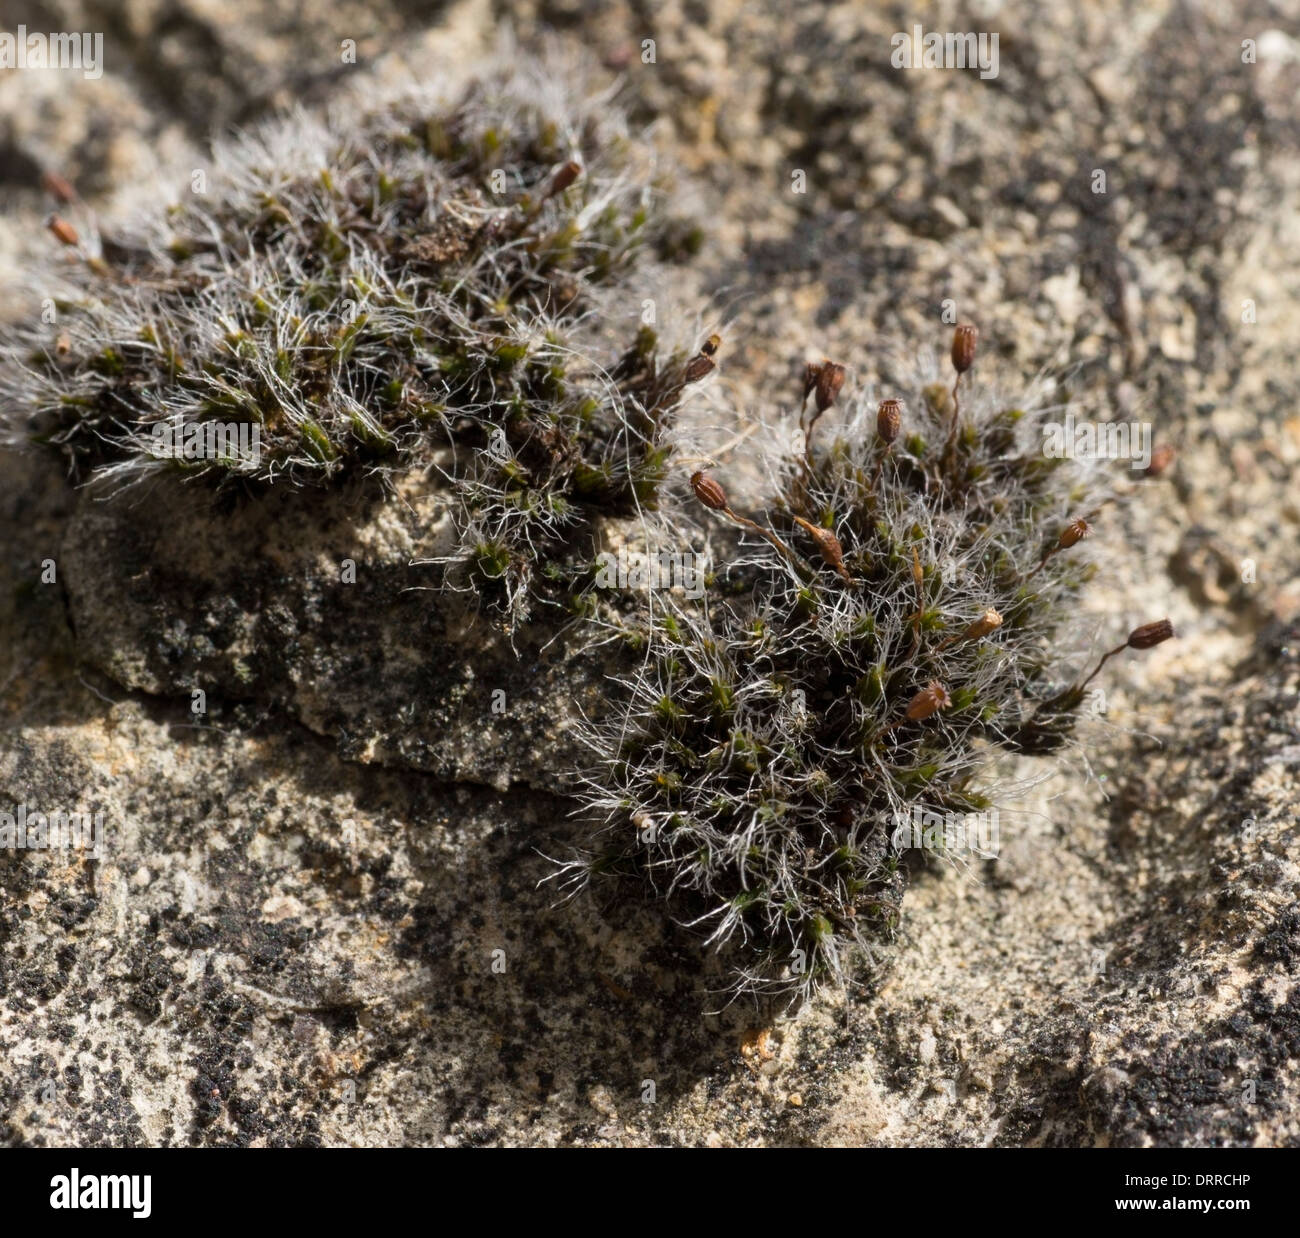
[{"x": 317, "y": 918}]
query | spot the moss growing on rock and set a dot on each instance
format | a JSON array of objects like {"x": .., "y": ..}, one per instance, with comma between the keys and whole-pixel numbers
[
  {"x": 361, "y": 290},
  {"x": 906, "y": 591}
]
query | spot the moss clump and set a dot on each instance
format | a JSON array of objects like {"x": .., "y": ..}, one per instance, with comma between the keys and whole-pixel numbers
[
  {"x": 903, "y": 612},
  {"x": 362, "y": 290}
]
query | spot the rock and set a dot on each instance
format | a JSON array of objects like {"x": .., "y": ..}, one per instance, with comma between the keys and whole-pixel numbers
[
  {"x": 292, "y": 935},
  {"x": 327, "y": 606}
]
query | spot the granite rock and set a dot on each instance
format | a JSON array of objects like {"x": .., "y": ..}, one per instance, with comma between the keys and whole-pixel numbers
[{"x": 317, "y": 915}]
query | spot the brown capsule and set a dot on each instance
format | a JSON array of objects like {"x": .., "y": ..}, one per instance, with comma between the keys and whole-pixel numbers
[
  {"x": 59, "y": 188},
  {"x": 1150, "y": 634},
  {"x": 889, "y": 418},
  {"x": 1073, "y": 532},
  {"x": 1161, "y": 458},
  {"x": 564, "y": 178},
  {"x": 828, "y": 544},
  {"x": 932, "y": 698},
  {"x": 964, "y": 339},
  {"x": 710, "y": 346},
  {"x": 62, "y": 230},
  {"x": 709, "y": 492},
  {"x": 829, "y": 381},
  {"x": 699, "y": 367},
  {"x": 988, "y": 622}
]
